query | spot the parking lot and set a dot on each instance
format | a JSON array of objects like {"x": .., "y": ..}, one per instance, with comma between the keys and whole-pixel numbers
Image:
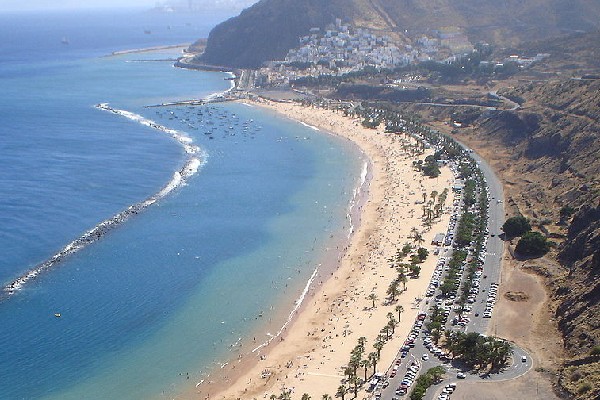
[{"x": 419, "y": 352}]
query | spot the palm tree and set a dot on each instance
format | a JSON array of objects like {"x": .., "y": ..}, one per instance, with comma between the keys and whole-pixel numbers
[
  {"x": 365, "y": 364},
  {"x": 415, "y": 270},
  {"x": 305, "y": 396},
  {"x": 373, "y": 298},
  {"x": 378, "y": 345},
  {"x": 403, "y": 279},
  {"x": 434, "y": 195},
  {"x": 326, "y": 397},
  {"x": 393, "y": 290},
  {"x": 407, "y": 248},
  {"x": 418, "y": 238},
  {"x": 401, "y": 268},
  {"x": 436, "y": 334},
  {"x": 413, "y": 232},
  {"x": 390, "y": 316},
  {"x": 391, "y": 326},
  {"x": 354, "y": 382},
  {"x": 361, "y": 343},
  {"x": 437, "y": 373},
  {"x": 373, "y": 359},
  {"x": 400, "y": 310},
  {"x": 348, "y": 372},
  {"x": 285, "y": 395},
  {"x": 392, "y": 323},
  {"x": 354, "y": 363},
  {"x": 341, "y": 391},
  {"x": 499, "y": 352},
  {"x": 438, "y": 209}
]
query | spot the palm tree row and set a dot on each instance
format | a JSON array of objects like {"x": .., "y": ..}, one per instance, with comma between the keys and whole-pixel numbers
[
  {"x": 286, "y": 394},
  {"x": 432, "y": 209},
  {"x": 407, "y": 125},
  {"x": 359, "y": 360},
  {"x": 431, "y": 377}
]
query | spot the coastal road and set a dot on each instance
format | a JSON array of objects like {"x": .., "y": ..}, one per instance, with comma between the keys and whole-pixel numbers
[
  {"x": 514, "y": 104},
  {"x": 516, "y": 368},
  {"x": 492, "y": 273},
  {"x": 495, "y": 245},
  {"x": 512, "y": 371}
]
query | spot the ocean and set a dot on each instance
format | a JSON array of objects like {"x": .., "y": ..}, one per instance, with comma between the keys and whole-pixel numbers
[{"x": 225, "y": 227}]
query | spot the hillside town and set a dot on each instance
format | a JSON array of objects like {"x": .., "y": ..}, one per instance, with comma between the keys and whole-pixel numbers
[{"x": 341, "y": 49}]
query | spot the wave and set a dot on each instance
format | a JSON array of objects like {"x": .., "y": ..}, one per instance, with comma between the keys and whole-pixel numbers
[
  {"x": 314, "y": 128},
  {"x": 353, "y": 208},
  {"x": 297, "y": 305},
  {"x": 196, "y": 159},
  {"x": 357, "y": 197},
  {"x": 215, "y": 97}
]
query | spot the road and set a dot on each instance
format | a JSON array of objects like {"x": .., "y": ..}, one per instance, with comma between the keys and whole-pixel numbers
[
  {"x": 520, "y": 362},
  {"x": 495, "y": 246},
  {"x": 515, "y": 105}
]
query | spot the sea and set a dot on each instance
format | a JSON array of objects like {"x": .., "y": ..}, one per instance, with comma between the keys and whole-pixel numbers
[{"x": 142, "y": 248}]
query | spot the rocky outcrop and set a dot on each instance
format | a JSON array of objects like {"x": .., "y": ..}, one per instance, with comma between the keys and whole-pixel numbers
[
  {"x": 579, "y": 291},
  {"x": 267, "y": 30}
]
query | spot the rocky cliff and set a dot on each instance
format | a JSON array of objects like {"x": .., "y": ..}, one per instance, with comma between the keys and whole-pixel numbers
[{"x": 548, "y": 156}]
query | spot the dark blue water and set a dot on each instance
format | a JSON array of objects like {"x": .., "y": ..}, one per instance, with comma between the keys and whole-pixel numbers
[{"x": 168, "y": 292}]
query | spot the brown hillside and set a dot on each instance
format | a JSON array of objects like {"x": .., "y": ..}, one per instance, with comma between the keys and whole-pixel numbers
[
  {"x": 547, "y": 154},
  {"x": 267, "y": 30}
]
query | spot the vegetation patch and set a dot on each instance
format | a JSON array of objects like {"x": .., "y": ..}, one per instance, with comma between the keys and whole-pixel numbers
[
  {"x": 516, "y": 226},
  {"x": 432, "y": 376},
  {"x": 478, "y": 351},
  {"x": 533, "y": 244}
]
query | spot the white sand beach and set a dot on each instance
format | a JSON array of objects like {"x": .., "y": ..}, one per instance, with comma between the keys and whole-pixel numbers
[{"x": 311, "y": 354}]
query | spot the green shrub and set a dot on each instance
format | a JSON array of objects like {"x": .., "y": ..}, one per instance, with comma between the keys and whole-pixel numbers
[
  {"x": 584, "y": 388},
  {"x": 516, "y": 226},
  {"x": 422, "y": 253},
  {"x": 533, "y": 244}
]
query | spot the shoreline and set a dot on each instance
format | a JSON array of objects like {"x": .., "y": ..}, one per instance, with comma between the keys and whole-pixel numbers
[
  {"x": 327, "y": 262},
  {"x": 295, "y": 361}
]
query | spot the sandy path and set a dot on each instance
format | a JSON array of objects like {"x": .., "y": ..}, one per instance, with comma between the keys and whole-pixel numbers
[{"x": 317, "y": 345}]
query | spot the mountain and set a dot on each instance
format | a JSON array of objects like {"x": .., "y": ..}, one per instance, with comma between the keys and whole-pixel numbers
[{"x": 268, "y": 29}]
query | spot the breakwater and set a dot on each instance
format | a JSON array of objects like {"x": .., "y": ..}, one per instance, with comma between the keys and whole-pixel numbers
[{"x": 196, "y": 158}]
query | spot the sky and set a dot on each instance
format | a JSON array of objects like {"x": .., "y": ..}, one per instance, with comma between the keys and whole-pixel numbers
[
  {"x": 17, "y": 5},
  {"x": 28, "y": 5}
]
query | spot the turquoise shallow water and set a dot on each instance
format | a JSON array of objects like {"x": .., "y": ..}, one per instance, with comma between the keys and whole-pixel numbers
[{"x": 169, "y": 293}]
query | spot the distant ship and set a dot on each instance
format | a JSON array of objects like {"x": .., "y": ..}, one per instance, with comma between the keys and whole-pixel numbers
[
  {"x": 64, "y": 40},
  {"x": 147, "y": 31}
]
